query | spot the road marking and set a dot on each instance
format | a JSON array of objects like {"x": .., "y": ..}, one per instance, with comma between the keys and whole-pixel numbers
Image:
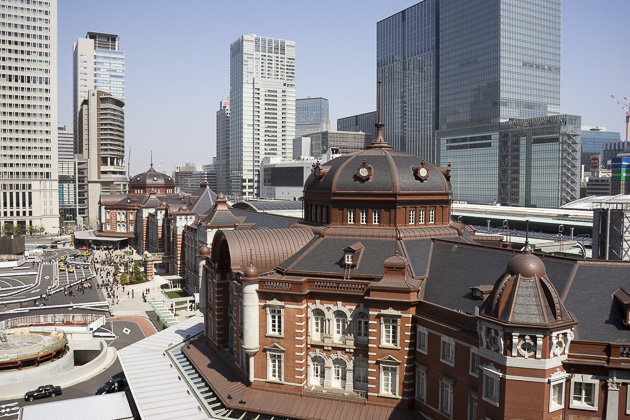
[
  {"x": 46, "y": 277},
  {"x": 126, "y": 330},
  {"x": 35, "y": 291},
  {"x": 9, "y": 405}
]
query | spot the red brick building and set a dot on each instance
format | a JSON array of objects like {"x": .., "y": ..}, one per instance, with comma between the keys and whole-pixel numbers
[{"x": 378, "y": 305}]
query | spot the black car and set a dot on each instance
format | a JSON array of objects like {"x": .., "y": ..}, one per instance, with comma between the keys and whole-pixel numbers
[
  {"x": 43, "y": 391},
  {"x": 113, "y": 385}
]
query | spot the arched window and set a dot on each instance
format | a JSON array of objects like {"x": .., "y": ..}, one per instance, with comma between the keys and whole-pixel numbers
[
  {"x": 318, "y": 323},
  {"x": 339, "y": 374},
  {"x": 341, "y": 326},
  {"x": 317, "y": 371}
]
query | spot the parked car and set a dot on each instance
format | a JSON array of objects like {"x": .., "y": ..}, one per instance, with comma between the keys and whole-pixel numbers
[
  {"x": 113, "y": 385},
  {"x": 70, "y": 269},
  {"x": 43, "y": 391}
]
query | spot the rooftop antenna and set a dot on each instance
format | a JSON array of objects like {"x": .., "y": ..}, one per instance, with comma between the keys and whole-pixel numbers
[
  {"x": 379, "y": 142},
  {"x": 151, "y": 158},
  {"x": 527, "y": 235}
]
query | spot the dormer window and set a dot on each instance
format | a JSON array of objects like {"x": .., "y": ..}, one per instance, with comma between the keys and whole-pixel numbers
[
  {"x": 622, "y": 297},
  {"x": 352, "y": 255}
]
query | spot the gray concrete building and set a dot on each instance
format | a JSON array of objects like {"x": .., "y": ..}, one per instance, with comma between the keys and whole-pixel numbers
[{"x": 361, "y": 122}]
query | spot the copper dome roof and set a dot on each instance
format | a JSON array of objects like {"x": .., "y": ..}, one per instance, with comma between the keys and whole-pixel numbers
[
  {"x": 388, "y": 171},
  {"x": 524, "y": 295},
  {"x": 151, "y": 178}
]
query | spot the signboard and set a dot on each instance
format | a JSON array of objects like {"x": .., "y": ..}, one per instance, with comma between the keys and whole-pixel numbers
[{"x": 594, "y": 163}]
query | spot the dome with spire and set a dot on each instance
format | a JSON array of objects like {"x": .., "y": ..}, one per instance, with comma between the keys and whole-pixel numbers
[
  {"x": 525, "y": 295},
  {"x": 151, "y": 181}
]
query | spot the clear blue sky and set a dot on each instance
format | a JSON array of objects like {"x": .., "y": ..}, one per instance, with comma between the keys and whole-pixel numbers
[{"x": 177, "y": 61}]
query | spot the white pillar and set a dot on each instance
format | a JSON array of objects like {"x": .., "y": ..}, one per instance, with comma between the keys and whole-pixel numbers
[
  {"x": 251, "y": 315},
  {"x": 612, "y": 400}
]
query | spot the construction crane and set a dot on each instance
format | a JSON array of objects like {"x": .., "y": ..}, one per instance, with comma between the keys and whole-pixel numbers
[{"x": 626, "y": 108}]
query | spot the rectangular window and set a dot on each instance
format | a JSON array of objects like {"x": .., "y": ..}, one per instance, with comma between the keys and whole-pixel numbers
[
  {"x": 491, "y": 388},
  {"x": 376, "y": 217},
  {"x": 390, "y": 331},
  {"x": 474, "y": 362},
  {"x": 556, "y": 397},
  {"x": 421, "y": 217},
  {"x": 422, "y": 339},
  {"x": 584, "y": 394},
  {"x": 362, "y": 327},
  {"x": 421, "y": 383},
  {"x": 274, "y": 316},
  {"x": 446, "y": 396},
  {"x": 431, "y": 216},
  {"x": 412, "y": 217},
  {"x": 363, "y": 215},
  {"x": 351, "y": 216},
  {"x": 472, "y": 406},
  {"x": 349, "y": 258},
  {"x": 447, "y": 353},
  {"x": 389, "y": 380},
  {"x": 274, "y": 367}
]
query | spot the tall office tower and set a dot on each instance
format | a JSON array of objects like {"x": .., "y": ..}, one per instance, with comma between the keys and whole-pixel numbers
[
  {"x": 102, "y": 142},
  {"x": 28, "y": 106},
  {"x": 98, "y": 64},
  {"x": 453, "y": 64},
  {"x": 360, "y": 122},
  {"x": 311, "y": 116},
  {"x": 407, "y": 64},
  {"x": 73, "y": 182},
  {"x": 223, "y": 147},
  {"x": 262, "y": 114}
]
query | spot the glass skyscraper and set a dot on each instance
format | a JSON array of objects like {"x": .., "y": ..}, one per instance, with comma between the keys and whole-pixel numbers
[
  {"x": 449, "y": 64},
  {"x": 311, "y": 116},
  {"x": 407, "y": 57}
]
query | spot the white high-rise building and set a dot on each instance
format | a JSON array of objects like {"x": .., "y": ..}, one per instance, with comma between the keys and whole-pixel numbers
[
  {"x": 262, "y": 102},
  {"x": 28, "y": 106},
  {"x": 98, "y": 64}
]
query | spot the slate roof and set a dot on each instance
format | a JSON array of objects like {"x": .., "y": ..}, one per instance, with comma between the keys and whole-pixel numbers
[
  {"x": 204, "y": 202},
  {"x": 151, "y": 178},
  {"x": 265, "y": 219}
]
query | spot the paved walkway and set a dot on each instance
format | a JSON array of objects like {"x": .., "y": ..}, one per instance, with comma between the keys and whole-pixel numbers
[{"x": 145, "y": 325}]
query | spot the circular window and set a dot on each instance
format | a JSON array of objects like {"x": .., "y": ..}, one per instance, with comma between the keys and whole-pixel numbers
[
  {"x": 155, "y": 178},
  {"x": 526, "y": 347},
  {"x": 558, "y": 348},
  {"x": 493, "y": 341}
]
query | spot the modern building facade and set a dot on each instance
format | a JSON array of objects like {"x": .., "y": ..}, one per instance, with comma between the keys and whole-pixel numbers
[
  {"x": 611, "y": 150},
  {"x": 311, "y": 116},
  {"x": 262, "y": 107},
  {"x": 360, "y": 122},
  {"x": 620, "y": 180},
  {"x": 344, "y": 141},
  {"x": 451, "y": 64},
  {"x": 73, "y": 181},
  {"x": 593, "y": 140},
  {"x": 98, "y": 64},
  {"x": 533, "y": 162},
  {"x": 184, "y": 172},
  {"x": 223, "y": 147},
  {"x": 28, "y": 107},
  {"x": 101, "y": 141}
]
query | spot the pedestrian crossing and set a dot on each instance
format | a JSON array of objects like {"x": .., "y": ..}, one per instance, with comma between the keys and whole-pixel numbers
[{"x": 9, "y": 411}]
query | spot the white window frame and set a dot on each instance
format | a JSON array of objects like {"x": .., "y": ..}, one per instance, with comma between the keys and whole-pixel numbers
[
  {"x": 493, "y": 395},
  {"x": 473, "y": 367},
  {"x": 421, "y": 383},
  {"x": 351, "y": 213},
  {"x": 376, "y": 217},
  {"x": 581, "y": 405},
  {"x": 447, "y": 396},
  {"x": 431, "y": 216},
  {"x": 273, "y": 328},
  {"x": 421, "y": 217},
  {"x": 447, "y": 350},
  {"x": 389, "y": 380},
  {"x": 363, "y": 216},
  {"x": 320, "y": 368},
  {"x": 318, "y": 324},
  {"x": 275, "y": 373},
  {"x": 339, "y": 374},
  {"x": 340, "y": 330},
  {"x": 422, "y": 345},
  {"x": 561, "y": 385},
  {"x": 412, "y": 217},
  {"x": 349, "y": 258},
  {"x": 390, "y": 331}
]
